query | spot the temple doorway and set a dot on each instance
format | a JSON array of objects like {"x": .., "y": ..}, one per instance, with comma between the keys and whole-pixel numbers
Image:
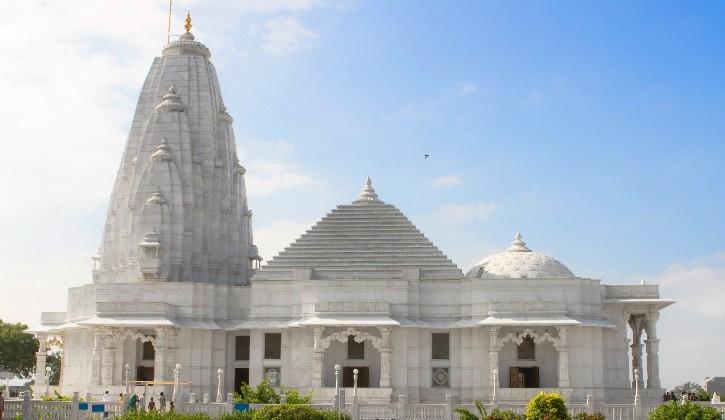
[
  {"x": 363, "y": 376},
  {"x": 524, "y": 377}
]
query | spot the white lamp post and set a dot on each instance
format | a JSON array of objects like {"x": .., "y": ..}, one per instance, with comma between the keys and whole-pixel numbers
[
  {"x": 354, "y": 382},
  {"x": 126, "y": 368},
  {"x": 177, "y": 373},
  {"x": 337, "y": 387},
  {"x": 219, "y": 374},
  {"x": 47, "y": 380},
  {"x": 495, "y": 384}
]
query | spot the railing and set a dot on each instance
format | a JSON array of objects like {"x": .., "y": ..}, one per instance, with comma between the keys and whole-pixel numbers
[
  {"x": 425, "y": 412},
  {"x": 28, "y": 409},
  {"x": 378, "y": 412},
  {"x": 211, "y": 409},
  {"x": 616, "y": 411}
]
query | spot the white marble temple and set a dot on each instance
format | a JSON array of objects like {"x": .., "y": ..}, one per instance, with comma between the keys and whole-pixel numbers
[{"x": 177, "y": 281}]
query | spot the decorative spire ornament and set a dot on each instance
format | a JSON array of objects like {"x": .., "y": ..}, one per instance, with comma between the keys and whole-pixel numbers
[
  {"x": 368, "y": 193},
  {"x": 187, "y": 22},
  {"x": 518, "y": 245}
]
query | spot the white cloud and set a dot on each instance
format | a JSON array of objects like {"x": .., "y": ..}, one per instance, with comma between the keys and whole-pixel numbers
[
  {"x": 274, "y": 237},
  {"x": 446, "y": 181},
  {"x": 692, "y": 325},
  {"x": 699, "y": 286},
  {"x": 466, "y": 89},
  {"x": 457, "y": 214},
  {"x": 270, "y": 168},
  {"x": 285, "y": 34},
  {"x": 266, "y": 177}
]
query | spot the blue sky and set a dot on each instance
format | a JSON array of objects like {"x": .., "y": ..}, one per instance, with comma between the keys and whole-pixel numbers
[{"x": 594, "y": 128}]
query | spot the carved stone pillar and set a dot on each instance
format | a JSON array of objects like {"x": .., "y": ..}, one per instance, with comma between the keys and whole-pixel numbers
[
  {"x": 493, "y": 348},
  {"x": 563, "y": 350},
  {"x": 317, "y": 354},
  {"x": 40, "y": 360},
  {"x": 107, "y": 354},
  {"x": 653, "y": 357},
  {"x": 637, "y": 323},
  {"x": 164, "y": 353},
  {"x": 385, "y": 357},
  {"x": 96, "y": 357}
]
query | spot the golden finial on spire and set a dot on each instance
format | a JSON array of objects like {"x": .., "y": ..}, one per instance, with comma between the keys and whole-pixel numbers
[{"x": 187, "y": 24}]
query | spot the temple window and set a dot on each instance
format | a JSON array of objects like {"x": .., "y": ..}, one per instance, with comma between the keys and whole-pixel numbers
[
  {"x": 273, "y": 346},
  {"x": 441, "y": 347},
  {"x": 241, "y": 347},
  {"x": 527, "y": 349},
  {"x": 147, "y": 351},
  {"x": 355, "y": 350}
]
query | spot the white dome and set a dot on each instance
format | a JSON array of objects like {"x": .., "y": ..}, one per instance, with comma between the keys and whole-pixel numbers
[{"x": 520, "y": 262}]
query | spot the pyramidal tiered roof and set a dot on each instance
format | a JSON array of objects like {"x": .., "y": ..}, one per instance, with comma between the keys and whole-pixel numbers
[{"x": 365, "y": 239}]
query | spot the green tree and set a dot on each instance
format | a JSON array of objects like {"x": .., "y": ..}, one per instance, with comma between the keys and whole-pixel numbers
[
  {"x": 17, "y": 349},
  {"x": 53, "y": 361},
  {"x": 687, "y": 411},
  {"x": 687, "y": 387}
]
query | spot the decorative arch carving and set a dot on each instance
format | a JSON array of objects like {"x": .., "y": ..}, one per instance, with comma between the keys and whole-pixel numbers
[
  {"x": 519, "y": 338},
  {"x": 124, "y": 334},
  {"x": 54, "y": 340},
  {"x": 358, "y": 336}
]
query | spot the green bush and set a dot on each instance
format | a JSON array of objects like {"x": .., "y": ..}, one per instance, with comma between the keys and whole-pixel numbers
[
  {"x": 265, "y": 394},
  {"x": 547, "y": 406},
  {"x": 465, "y": 414},
  {"x": 496, "y": 414},
  {"x": 585, "y": 416},
  {"x": 156, "y": 415},
  {"x": 295, "y": 412},
  {"x": 687, "y": 411},
  {"x": 237, "y": 415}
]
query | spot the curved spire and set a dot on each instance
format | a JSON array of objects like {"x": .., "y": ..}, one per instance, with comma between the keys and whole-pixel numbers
[
  {"x": 518, "y": 245},
  {"x": 368, "y": 193}
]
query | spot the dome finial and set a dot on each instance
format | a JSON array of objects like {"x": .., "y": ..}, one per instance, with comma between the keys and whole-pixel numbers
[
  {"x": 518, "y": 245},
  {"x": 368, "y": 192},
  {"x": 187, "y": 22}
]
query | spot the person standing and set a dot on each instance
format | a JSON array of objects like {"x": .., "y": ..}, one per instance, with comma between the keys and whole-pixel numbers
[
  {"x": 152, "y": 405},
  {"x": 162, "y": 402},
  {"x": 106, "y": 399},
  {"x": 2, "y": 405}
]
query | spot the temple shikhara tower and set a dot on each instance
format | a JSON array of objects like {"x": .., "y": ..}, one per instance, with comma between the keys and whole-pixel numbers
[{"x": 178, "y": 287}]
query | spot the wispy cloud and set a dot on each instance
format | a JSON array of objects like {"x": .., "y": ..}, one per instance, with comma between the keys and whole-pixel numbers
[
  {"x": 466, "y": 89},
  {"x": 285, "y": 34},
  {"x": 272, "y": 238},
  {"x": 457, "y": 214},
  {"x": 446, "y": 181},
  {"x": 270, "y": 167}
]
